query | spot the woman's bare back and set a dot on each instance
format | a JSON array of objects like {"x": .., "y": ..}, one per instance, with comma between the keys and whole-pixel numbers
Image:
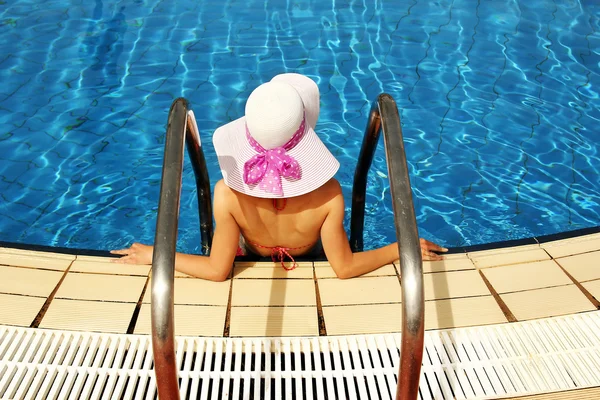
[{"x": 295, "y": 226}]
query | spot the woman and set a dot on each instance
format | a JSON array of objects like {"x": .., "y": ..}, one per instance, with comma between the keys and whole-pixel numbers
[{"x": 278, "y": 196}]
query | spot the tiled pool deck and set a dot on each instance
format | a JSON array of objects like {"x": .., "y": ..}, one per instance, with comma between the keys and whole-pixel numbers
[
  {"x": 84, "y": 293},
  {"x": 54, "y": 291}
]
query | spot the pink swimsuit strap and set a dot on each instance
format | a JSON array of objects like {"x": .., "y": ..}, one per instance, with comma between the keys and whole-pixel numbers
[{"x": 281, "y": 253}]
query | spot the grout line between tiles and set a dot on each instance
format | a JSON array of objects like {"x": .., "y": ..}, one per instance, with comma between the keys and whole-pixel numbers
[
  {"x": 448, "y": 271},
  {"x": 40, "y": 315},
  {"x": 586, "y": 292},
  {"x": 537, "y": 288},
  {"x": 138, "y": 306},
  {"x": 96, "y": 300},
  {"x": 397, "y": 271},
  {"x": 227, "y": 324},
  {"x": 507, "y": 313},
  {"x": 35, "y": 268},
  {"x": 108, "y": 273},
  {"x": 284, "y": 306},
  {"x": 23, "y": 295},
  {"x": 320, "y": 317}
]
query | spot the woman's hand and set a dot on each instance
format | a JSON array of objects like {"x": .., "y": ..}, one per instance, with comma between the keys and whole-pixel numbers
[
  {"x": 137, "y": 254},
  {"x": 429, "y": 250}
]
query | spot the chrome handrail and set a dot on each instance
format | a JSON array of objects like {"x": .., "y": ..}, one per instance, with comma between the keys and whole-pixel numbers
[
  {"x": 181, "y": 127},
  {"x": 384, "y": 117}
]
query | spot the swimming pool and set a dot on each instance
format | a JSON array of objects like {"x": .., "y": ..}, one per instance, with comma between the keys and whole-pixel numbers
[{"x": 498, "y": 101}]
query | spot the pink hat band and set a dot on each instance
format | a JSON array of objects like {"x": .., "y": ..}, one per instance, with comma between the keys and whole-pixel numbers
[{"x": 269, "y": 166}]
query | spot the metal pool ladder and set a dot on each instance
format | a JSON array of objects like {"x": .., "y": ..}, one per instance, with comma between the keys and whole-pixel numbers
[{"x": 182, "y": 128}]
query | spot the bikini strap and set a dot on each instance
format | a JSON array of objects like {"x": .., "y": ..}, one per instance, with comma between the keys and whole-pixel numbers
[
  {"x": 281, "y": 253},
  {"x": 282, "y": 207}
]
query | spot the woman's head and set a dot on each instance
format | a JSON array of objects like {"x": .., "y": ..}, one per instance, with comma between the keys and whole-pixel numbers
[
  {"x": 274, "y": 111},
  {"x": 273, "y": 151}
]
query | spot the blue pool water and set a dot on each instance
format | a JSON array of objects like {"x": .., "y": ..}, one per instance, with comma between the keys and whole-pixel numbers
[{"x": 499, "y": 104}]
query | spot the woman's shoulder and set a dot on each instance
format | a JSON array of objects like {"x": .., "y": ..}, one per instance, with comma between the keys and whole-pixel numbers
[
  {"x": 224, "y": 193},
  {"x": 331, "y": 187},
  {"x": 331, "y": 190}
]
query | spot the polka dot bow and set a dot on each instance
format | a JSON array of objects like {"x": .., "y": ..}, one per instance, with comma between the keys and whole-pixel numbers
[{"x": 268, "y": 166}]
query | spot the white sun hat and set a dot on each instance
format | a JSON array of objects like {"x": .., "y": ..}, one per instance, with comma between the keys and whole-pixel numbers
[{"x": 273, "y": 151}]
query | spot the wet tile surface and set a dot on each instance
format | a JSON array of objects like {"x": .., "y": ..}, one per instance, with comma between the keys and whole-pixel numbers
[
  {"x": 324, "y": 270},
  {"x": 19, "y": 310},
  {"x": 384, "y": 289},
  {"x": 101, "y": 287},
  {"x": 27, "y": 281},
  {"x": 94, "y": 316},
  {"x": 518, "y": 256},
  {"x": 582, "y": 267},
  {"x": 274, "y": 321},
  {"x": 98, "y": 295},
  {"x": 364, "y": 318},
  {"x": 594, "y": 288},
  {"x": 452, "y": 262},
  {"x": 196, "y": 291},
  {"x": 519, "y": 277},
  {"x": 271, "y": 272},
  {"x": 190, "y": 320},
  {"x": 548, "y": 302},
  {"x": 265, "y": 292},
  {"x": 568, "y": 247},
  {"x": 30, "y": 261},
  {"x": 444, "y": 285},
  {"x": 440, "y": 314},
  {"x": 92, "y": 265}
]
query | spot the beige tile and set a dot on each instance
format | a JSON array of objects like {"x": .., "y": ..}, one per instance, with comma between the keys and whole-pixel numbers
[
  {"x": 101, "y": 287},
  {"x": 445, "y": 285},
  {"x": 515, "y": 257},
  {"x": 451, "y": 262},
  {"x": 578, "y": 394},
  {"x": 19, "y": 310},
  {"x": 33, "y": 253},
  {"x": 385, "y": 289},
  {"x": 94, "y": 316},
  {"x": 593, "y": 287},
  {"x": 197, "y": 291},
  {"x": 264, "y": 272},
  {"x": 582, "y": 267},
  {"x": 517, "y": 277},
  {"x": 502, "y": 250},
  {"x": 270, "y": 264},
  {"x": 325, "y": 271},
  {"x": 178, "y": 274},
  {"x": 105, "y": 267},
  {"x": 548, "y": 302},
  {"x": 266, "y": 292},
  {"x": 363, "y": 319},
  {"x": 34, "y": 261},
  {"x": 273, "y": 321},
  {"x": 471, "y": 311},
  {"x": 189, "y": 320},
  {"x": 568, "y": 247},
  {"x": 106, "y": 259},
  {"x": 30, "y": 282}
]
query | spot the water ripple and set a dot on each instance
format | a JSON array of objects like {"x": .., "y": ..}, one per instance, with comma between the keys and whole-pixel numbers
[{"x": 498, "y": 103}]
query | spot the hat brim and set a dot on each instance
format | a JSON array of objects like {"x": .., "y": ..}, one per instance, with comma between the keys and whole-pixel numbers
[{"x": 317, "y": 164}]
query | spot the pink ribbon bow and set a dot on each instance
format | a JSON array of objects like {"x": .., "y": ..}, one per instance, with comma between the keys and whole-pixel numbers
[{"x": 268, "y": 166}]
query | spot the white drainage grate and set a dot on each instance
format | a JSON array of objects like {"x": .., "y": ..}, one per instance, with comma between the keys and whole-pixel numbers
[{"x": 468, "y": 363}]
